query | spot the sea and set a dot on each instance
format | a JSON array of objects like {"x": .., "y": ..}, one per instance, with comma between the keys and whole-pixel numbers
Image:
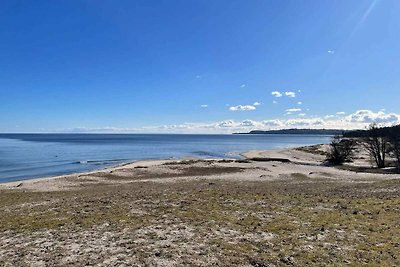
[{"x": 28, "y": 156}]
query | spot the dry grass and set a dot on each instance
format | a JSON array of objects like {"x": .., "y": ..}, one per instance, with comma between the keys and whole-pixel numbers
[
  {"x": 298, "y": 221},
  {"x": 316, "y": 149}
]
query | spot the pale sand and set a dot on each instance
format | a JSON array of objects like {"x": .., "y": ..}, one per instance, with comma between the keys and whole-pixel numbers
[
  {"x": 61, "y": 182},
  {"x": 299, "y": 163}
]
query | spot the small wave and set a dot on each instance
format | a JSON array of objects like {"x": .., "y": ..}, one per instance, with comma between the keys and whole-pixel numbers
[
  {"x": 233, "y": 154},
  {"x": 100, "y": 162},
  {"x": 207, "y": 154}
]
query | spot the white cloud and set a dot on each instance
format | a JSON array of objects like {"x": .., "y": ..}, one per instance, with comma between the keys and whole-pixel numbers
[
  {"x": 290, "y": 94},
  {"x": 293, "y": 110},
  {"x": 331, "y": 51},
  {"x": 204, "y": 106},
  {"x": 248, "y": 123},
  {"x": 276, "y": 93},
  {"x": 340, "y": 113},
  {"x": 280, "y": 94},
  {"x": 299, "y": 103},
  {"x": 226, "y": 124},
  {"x": 368, "y": 116},
  {"x": 272, "y": 123},
  {"x": 274, "y": 102},
  {"x": 243, "y": 86},
  {"x": 245, "y": 107},
  {"x": 242, "y": 108},
  {"x": 357, "y": 120},
  {"x": 330, "y": 116},
  {"x": 304, "y": 123}
]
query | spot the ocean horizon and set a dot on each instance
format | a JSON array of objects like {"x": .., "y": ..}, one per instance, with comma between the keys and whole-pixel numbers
[{"x": 29, "y": 156}]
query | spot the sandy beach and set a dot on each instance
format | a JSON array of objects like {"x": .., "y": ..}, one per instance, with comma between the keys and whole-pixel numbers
[{"x": 273, "y": 208}]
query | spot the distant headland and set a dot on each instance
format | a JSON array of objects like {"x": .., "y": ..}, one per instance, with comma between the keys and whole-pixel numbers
[{"x": 299, "y": 131}]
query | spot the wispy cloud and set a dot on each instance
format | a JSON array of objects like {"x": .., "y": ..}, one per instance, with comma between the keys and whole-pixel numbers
[
  {"x": 280, "y": 94},
  {"x": 245, "y": 107},
  {"x": 204, "y": 106},
  {"x": 243, "y": 86},
  {"x": 293, "y": 110},
  {"x": 368, "y": 116},
  {"x": 276, "y": 93},
  {"x": 290, "y": 94},
  {"x": 330, "y": 116},
  {"x": 242, "y": 108},
  {"x": 357, "y": 120},
  {"x": 364, "y": 17},
  {"x": 331, "y": 51},
  {"x": 299, "y": 103}
]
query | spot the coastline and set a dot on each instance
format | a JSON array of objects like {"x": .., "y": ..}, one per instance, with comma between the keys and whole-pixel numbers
[
  {"x": 277, "y": 207},
  {"x": 285, "y": 160},
  {"x": 30, "y": 181},
  {"x": 134, "y": 163},
  {"x": 271, "y": 153},
  {"x": 70, "y": 154}
]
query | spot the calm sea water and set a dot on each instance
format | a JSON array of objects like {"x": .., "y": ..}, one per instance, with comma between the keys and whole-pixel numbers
[{"x": 26, "y": 156}]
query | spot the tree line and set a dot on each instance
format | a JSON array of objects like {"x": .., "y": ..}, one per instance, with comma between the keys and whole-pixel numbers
[{"x": 379, "y": 142}]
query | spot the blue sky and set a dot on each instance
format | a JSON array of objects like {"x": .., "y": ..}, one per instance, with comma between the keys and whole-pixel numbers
[{"x": 197, "y": 65}]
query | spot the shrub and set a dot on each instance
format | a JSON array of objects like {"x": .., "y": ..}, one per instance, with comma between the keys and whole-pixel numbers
[{"x": 341, "y": 150}]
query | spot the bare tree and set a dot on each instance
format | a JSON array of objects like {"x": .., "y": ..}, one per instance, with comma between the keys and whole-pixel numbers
[
  {"x": 341, "y": 150},
  {"x": 377, "y": 145},
  {"x": 395, "y": 148}
]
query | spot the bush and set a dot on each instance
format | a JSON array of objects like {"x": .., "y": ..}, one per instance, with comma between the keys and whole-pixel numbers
[{"x": 341, "y": 150}]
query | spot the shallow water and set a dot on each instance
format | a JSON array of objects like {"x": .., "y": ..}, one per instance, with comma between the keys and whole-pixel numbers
[{"x": 26, "y": 156}]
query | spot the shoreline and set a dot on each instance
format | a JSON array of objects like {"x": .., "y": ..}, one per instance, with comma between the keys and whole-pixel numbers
[
  {"x": 116, "y": 166},
  {"x": 63, "y": 158},
  {"x": 309, "y": 159},
  {"x": 75, "y": 174},
  {"x": 244, "y": 155},
  {"x": 192, "y": 212},
  {"x": 271, "y": 153},
  {"x": 133, "y": 162},
  {"x": 130, "y": 164}
]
